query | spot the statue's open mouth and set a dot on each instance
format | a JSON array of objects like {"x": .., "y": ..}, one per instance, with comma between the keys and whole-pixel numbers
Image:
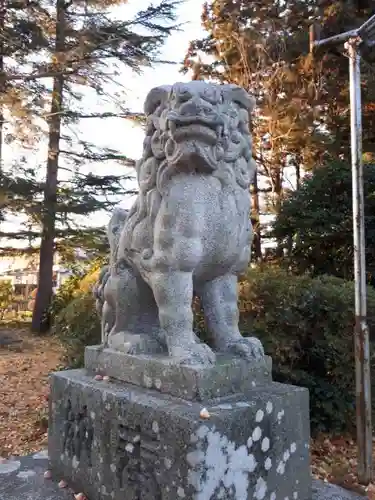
[{"x": 185, "y": 128}]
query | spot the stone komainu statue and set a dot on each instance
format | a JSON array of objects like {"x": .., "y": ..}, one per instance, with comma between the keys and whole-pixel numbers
[{"x": 188, "y": 232}]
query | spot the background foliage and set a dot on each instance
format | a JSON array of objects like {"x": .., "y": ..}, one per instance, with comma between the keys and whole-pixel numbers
[
  {"x": 306, "y": 324},
  {"x": 315, "y": 223}
]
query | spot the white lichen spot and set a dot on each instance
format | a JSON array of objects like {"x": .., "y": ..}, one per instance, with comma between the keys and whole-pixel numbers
[
  {"x": 295, "y": 495},
  {"x": 136, "y": 438},
  {"x": 103, "y": 490},
  {"x": 280, "y": 415},
  {"x": 181, "y": 492},
  {"x": 101, "y": 459},
  {"x": 147, "y": 381},
  {"x": 297, "y": 481},
  {"x": 221, "y": 494},
  {"x": 265, "y": 444},
  {"x": 92, "y": 415},
  {"x": 252, "y": 463},
  {"x": 269, "y": 407},
  {"x": 259, "y": 416},
  {"x": 129, "y": 448},
  {"x": 75, "y": 462},
  {"x": 273, "y": 496},
  {"x": 217, "y": 463},
  {"x": 249, "y": 442},
  {"x": 253, "y": 383},
  {"x": 242, "y": 404},
  {"x": 293, "y": 448},
  {"x": 107, "y": 406},
  {"x": 260, "y": 489},
  {"x": 158, "y": 383},
  {"x": 155, "y": 427},
  {"x": 168, "y": 463},
  {"x": 26, "y": 474},
  {"x": 62, "y": 456},
  {"x": 286, "y": 498},
  {"x": 286, "y": 455},
  {"x": 202, "y": 431},
  {"x": 257, "y": 434},
  {"x": 281, "y": 468},
  {"x": 268, "y": 464},
  {"x": 225, "y": 406},
  {"x": 41, "y": 455},
  {"x": 113, "y": 468}
]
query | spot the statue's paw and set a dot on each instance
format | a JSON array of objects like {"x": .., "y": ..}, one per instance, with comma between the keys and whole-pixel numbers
[
  {"x": 194, "y": 354},
  {"x": 249, "y": 348}
]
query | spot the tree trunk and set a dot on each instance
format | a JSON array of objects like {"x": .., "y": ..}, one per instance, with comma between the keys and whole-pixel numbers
[
  {"x": 298, "y": 174},
  {"x": 40, "y": 320},
  {"x": 255, "y": 220},
  {"x": 2, "y": 83},
  {"x": 277, "y": 201}
]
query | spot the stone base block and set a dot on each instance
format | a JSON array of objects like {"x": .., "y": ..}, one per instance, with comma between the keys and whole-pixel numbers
[
  {"x": 201, "y": 383},
  {"x": 119, "y": 441}
]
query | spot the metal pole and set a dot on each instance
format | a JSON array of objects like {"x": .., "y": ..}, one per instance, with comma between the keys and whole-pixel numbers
[{"x": 361, "y": 333}]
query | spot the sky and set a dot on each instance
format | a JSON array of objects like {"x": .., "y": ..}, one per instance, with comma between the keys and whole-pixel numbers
[{"x": 120, "y": 134}]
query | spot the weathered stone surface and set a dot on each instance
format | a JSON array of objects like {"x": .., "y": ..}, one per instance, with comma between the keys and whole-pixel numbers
[
  {"x": 23, "y": 479},
  {"x": 327, "y": 491},
  {"x": 189, "y": 230},
  {"x": 116, "y": 441},
  {"x": 26, "y": 482},
  {"x": 228, "y": 376}
]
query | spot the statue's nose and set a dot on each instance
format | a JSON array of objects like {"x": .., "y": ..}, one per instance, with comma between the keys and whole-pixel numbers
[
  {"x": 195, "y": 107},
  {"x": 191, "y": 108}
]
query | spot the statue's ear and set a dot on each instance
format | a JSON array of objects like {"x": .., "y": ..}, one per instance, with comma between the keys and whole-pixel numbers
[
  {"x": 241, "y": 97},
  {"x": 155, "y": 97}
]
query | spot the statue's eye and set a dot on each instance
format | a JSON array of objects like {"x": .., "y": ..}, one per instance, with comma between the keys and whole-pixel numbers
[{"x": 184, "y": 96}]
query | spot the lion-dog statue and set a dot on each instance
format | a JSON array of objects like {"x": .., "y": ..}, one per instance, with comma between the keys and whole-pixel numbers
[{"x": 188, "y": 232}]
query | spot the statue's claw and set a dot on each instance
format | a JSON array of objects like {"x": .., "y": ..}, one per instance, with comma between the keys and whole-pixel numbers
[
  {"x": 193, "y": 354},
  {"x": 249, "y": 348}
]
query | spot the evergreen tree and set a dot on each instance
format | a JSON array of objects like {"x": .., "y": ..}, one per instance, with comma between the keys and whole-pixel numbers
[
  {"x": 86, "y": 45},
  {"x": 79, "y": 46},
  {"x": 303, "y": 102}
]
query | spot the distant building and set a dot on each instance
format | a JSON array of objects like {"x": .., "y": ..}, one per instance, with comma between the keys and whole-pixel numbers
[{"x": 22, "y": 271}]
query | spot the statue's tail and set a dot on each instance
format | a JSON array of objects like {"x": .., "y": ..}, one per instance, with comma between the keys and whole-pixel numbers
[
  {"x": 98, "y": 289},
  {"x": 115, "y": 226}
]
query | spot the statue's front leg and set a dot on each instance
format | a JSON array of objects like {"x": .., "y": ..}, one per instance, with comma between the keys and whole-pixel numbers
[
  {"x": 173, "y": 291},
  {"x": 220, "y": 303}
]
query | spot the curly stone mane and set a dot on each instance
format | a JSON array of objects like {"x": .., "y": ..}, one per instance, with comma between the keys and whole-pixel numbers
[{"x": 232, "y": 163}]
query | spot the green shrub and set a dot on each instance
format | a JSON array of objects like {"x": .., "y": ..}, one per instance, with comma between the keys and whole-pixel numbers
[
  {"x": 81, "y": 281},
  {"x": 77, "y": 326},
  {"x": 315, "y": 223},
  {"x": 307, "y": 326},
  {"x": 6, "y": 297}
]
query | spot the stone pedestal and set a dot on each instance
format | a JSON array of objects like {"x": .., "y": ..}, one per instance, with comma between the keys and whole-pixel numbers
[{"x": 141, "y": 435}]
